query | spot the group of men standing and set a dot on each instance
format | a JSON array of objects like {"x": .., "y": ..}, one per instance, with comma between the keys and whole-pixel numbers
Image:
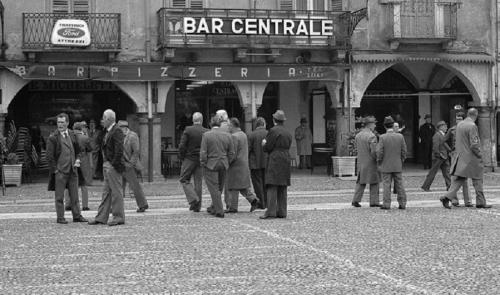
[{"x": 232, "y": 162}]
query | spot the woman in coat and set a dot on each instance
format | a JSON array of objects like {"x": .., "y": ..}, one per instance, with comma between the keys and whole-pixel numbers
[{"x": 277, "y": 144}]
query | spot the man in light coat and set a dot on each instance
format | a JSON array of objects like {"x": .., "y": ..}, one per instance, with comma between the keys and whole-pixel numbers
[
  {"x": 224, "y": 126},
  {"x": 440, "y": 157},
  {"x": 366, "y": 145},
  {"x": 257, "y": 159},
  {"x": 238, "y": 174},
  {"x": 303, "y": 137},
  {"x": 132, "y": 161},
  {"x": 391, "y": 153},
  {"x": 85, "y": 173},
  {"x": 467, "y": 161}
]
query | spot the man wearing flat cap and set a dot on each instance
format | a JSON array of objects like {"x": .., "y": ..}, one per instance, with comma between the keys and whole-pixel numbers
[
  {"x": 440, "y": 157},
  {"x": 425, "y": 134},
  {"x": 303, "y": 137},
  {"x": 391, "y": 153},
  {"x": 366, "y": 145}
]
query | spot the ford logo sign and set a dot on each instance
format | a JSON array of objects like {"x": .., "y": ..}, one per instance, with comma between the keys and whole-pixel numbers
[{"x": 70, "y": 33}]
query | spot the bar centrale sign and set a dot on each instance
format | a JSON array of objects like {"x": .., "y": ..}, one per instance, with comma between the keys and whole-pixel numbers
[
  {"x": 258, "y": 26},
  {"x": 171, "y": 72}
]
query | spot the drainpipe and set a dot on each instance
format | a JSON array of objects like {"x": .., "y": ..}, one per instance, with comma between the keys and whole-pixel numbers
[
  {"x": 147, "y": 20},
  {"x": 494, "y": 102}
]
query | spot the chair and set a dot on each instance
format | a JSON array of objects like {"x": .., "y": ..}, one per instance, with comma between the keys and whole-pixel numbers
[{"x": 293, "y": 162}]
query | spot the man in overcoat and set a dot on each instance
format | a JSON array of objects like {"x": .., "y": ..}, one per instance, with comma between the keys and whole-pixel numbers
[
  {"x": 426, "y": 132},
  {"x": 113, "y": 168},
  {"x": 238, "y": 174},
  {"x": 467, "y": 161},
  {"x": 440, "y": 157},
  {"x": 225, "y": 127},
  {"x": 366, "y": 145},
  {"x": 277, "y": 145},
  {"x": 63, "y": 157},
  {"x": 216, "y": 152},
  {"x": 257, "y": 159},
  {"x": 189, "y": 153},
  {"x": 303, "y": 137},
  {"x": 391, "y": 153},
  {"x": 85, "y": 169}
]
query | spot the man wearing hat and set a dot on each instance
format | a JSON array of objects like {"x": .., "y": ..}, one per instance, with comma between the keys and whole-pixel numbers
[
  {"x": 366, "y": 144},
  {"x": 303, "y": 136},
  {"x": 131, "y": 153},
  {"x": 391, "y": 153},
  {"x": 426, "y": 132},
  {"x": 440, "y": 156},
  {"x": 277, "y": 145}
]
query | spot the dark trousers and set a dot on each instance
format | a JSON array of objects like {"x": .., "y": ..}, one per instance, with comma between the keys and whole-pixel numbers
[
  {"x": 258, "y": 177},
  {"x": 112, "y": 197},
  {"x": 458, "y": 182},
  {"x": 427, "y": 154},
  {"x": 235, "y": 193},
  {"x": 374, "y": 191},
  {"x": 437, "y": 164},
  {"x": 276, "y": 201},
  {"x": 130, "y": 176},
  {"x": 465, "y": 191},
  {"x": 305, "y": 162},
  {"x": 70, "y": 181},
  {"x": 215, "y": 180},
  {"x": 387, "y": 179},
  {"x": 190, "y": 168}
]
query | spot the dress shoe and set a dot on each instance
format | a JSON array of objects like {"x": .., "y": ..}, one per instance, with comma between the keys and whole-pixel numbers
[
  {"x": 141, "y": 210},
  {"x": 85, "y": 209},
  {"x": 192, "y": 205},
  {"x": 446, "y": 202},
  {"x": 280, "y": 216},
  {"x": 483, "y": 206},
  {"x": 255, "y": 205},
  {"x": 95, "y": 222},
  {"x": 230, "y": 211},
  {"x": 210, "y": 210},
  {"x": 356, "y": 204},
  {"x": 266, "y": 217},
  {"x": 375, "y": 205},
  {"x": 426, "y": 189},
  {"x": 62, "y": 221},
  {"x": 456, "y": 204},
  {"x": 402, "y": 207},
  {"x": 114, "y": 223},
  {"x": 197, "y": 208},
  {"x": 220, "y": 215},
  {"x": 469, "y": 205},
  {"x": 80, "y": 219},
  {"x": 67, "y": 208},
  {"x": 384, "y": 208}
]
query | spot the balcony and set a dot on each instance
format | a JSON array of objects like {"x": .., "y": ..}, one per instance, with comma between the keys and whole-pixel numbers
[
  {"x": 105, "y": 32},
  {"x": 422, "y": 22},
  {"x": 173, "y": 35}
]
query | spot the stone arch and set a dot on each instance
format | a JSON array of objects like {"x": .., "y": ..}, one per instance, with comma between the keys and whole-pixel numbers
[{"x": 11, "y": 84}]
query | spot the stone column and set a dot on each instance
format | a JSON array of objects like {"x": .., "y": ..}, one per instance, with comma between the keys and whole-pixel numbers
[
  {"x": 486, "y": 125},
  {"x": 345, "y": 125},
  {"x": 247, "y": 126},
  {"x": 3, "y": 116},
  {"x": 250, "y": 94},
  {"x": 143, "y": 135}
]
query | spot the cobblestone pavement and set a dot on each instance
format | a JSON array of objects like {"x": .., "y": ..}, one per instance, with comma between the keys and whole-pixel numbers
[{"x": 325, "y": 246}]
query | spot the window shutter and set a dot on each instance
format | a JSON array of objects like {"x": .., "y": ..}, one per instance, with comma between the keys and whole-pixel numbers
[
  {"x": 336, "y": 5},
  {"x": 286, "y": 4},
  {"x": 81, "y": 6},
  {"x": 197, "y": 4},
  {"x": 60, "y": 6},
  {"x": 319, "y": 5},
  {"x": 301, "y": 5},
  {"x": 178, "y": 3}
]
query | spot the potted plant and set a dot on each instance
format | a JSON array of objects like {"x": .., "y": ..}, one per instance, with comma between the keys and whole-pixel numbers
[
  {"x": 12, "y": 171},
  {"x": 345, "y": 165}
]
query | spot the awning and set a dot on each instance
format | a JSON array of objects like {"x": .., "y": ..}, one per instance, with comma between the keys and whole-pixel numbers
[
  {"x": 170, "y": 72},
  {"x": 413, "y": 57}
]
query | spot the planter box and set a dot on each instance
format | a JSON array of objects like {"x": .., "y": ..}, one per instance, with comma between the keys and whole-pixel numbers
[
  {"x": 344, "y": 166},
  {"x": 12, "y": 174}
]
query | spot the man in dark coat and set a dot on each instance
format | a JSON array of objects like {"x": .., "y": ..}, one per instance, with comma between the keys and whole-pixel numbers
[
  {"x": 440, "y": 157},
  {"x": 257, "y": 159},
  {"x": 391, "y": 154},
  {"x": 366, "y": 145},
  {"x": 113, "y": 168},
  {"x": 85, "y": 170},
  {"x": 189, "y": 153},
  {"x": 426, "y": 132},
  {"x": 238, "y": 174},
  {"x": 277, "y": 144},
  {"x": 467, "y": 161},
  {"x": 63, "y": 155},
  {"x": 216, "y": 152}
]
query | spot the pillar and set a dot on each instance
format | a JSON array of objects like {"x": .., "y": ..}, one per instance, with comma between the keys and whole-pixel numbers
[
  {"x": 486, "y": 125},
  {"x": 3, "y": 116},
  {"x": 345, "y": 126},
  {"x": 250, "y": 94},
  {"x": 143, "y": 136}
]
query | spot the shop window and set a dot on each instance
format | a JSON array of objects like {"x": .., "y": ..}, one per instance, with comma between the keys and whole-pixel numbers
[
  {"x": 197, "y": 4},
  {"x": 71, "y": 6}
]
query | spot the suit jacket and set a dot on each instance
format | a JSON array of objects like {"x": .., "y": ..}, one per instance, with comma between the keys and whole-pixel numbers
[
  {"x": 132, "y": 151},
  {"x": 54, "y": 151},
  {"x": 216, "y": 150},
  {"x": 366, "y": 145},
  {"x": 440, "y": 149},
  {"x": 190, "y": 142},
  {"x": 467, "y": 160},
  {"x": 278, "y": 142},
  {"x": 257, "y": 158},
  {"x": 391, "y": 152},
  {"x": 426, "y": 132},
  {"x": 238, "y": 176},
  {"x": 113, "y": 148}
]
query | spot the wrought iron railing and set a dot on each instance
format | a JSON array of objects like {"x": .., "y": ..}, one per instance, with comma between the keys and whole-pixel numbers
[
  {"x": 171, "y": 32},
  {"x": 423, "y": 19},
  {"x": 105, "y": 30}
]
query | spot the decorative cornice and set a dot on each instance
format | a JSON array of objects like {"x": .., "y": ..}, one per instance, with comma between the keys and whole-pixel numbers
[{"x": 440, "y": 57}]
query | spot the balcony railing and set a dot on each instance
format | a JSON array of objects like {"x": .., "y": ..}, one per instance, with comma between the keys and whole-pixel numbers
[
  {"x": 423, "y": 19},
  {"x": 105, "y": 30},
  {"x": 172, "y": 34}
]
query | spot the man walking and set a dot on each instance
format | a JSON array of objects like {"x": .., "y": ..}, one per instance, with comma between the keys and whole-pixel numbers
[
  {"x": 132, "y": 161},
  {"x": 303, "y": 137},
  {"x": 440, "y": 157},
  {"x": 391, "y": 153},
  {"x": 426, "y": 132},
  {"x": 257, "y": 159},
  {"x": 238, "y": 174},
  {"x": 467, "y": 162},
  {"x": 63, "y": 155},
  {"x": 189, "y": 153},
  {"x": 216, "y": 151},
  {"x": 113, "y": 168},
  {"x": 366, "y": 144}
]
